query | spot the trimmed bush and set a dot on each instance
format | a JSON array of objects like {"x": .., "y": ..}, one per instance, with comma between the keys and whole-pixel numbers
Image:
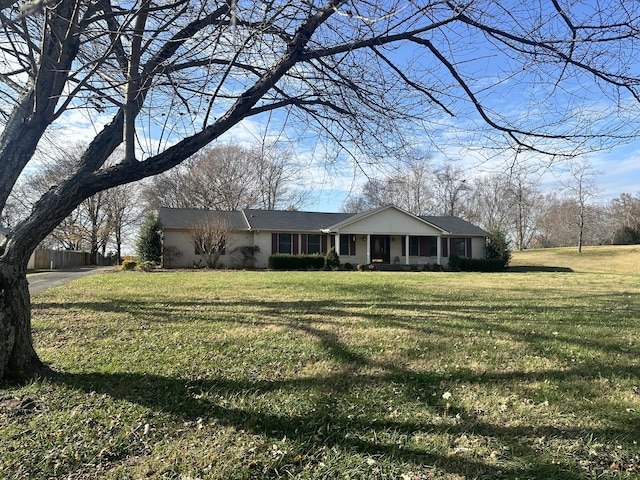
[
  {"x": 147, "y": 266},
  {"x": 128, "y": 265},
  {"x": 476, "y": 264},
  {"x": 280, "y": 261},
  {"x": 332, "y": 260}
]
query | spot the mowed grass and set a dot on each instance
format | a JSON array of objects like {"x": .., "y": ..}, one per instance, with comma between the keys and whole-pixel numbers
[
  {"x": 359, "y": 375},
  {"x": 608, "y": 259}
]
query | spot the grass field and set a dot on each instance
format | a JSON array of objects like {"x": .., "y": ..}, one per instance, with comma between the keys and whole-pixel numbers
[{"x": 528, "y": 374}]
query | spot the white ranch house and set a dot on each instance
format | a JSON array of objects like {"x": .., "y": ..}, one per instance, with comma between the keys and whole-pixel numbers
[{"x": 388, "y": 235}]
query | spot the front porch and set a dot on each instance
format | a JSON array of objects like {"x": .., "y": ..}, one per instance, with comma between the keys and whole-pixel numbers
[{"x": 389, "y": 249}]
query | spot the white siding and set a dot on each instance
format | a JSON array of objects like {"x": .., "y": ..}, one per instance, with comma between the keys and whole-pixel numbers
[{"x": 390, "y": 222}]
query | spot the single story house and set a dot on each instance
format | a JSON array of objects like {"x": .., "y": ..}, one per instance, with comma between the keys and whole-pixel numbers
[{"x": 387, "y": 235}]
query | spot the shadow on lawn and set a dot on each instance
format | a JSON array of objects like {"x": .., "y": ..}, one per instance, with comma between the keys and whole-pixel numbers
[
  {"x": 327, "y": 426},
  {"x": 329, "y": 423},
  {"x": 538, "y": 269}
]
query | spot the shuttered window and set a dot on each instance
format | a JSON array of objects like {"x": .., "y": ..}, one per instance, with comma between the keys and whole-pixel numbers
[{"x": 313, "y": 243}]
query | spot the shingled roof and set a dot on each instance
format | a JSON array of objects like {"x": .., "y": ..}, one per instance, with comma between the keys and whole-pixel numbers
[
  {"x": 287, "y": 221},
  {"x": 455, "y": 226},
  {"x": 279, "y": 220},
  {"x": 191, "y": 217}
]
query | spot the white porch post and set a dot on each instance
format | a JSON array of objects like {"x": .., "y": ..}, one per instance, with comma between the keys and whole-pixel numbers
[
  {"x": 368, "y": 248},
  {"x": 439, "y": 248},
  {"x": 338, "y": 243},
  {"x": 406, "y": 249}
]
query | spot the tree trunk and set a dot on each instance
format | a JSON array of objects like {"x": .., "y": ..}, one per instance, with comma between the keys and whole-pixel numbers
[{"x": 18, "y": 359}]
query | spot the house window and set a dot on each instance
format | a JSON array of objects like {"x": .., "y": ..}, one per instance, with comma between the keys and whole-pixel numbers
[
  {"x": 313, "y": 243},
  {"x": 347, "y": 245},
  {"x": 284, "y": 243},
  {"x": 459, "y": 247},
  {"x": 422, "y": 246},
  {"x": 429, "y": 246}
]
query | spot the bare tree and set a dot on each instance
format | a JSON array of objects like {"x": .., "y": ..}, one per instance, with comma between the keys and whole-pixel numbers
[
  {"x": 451, "y": 188},
  {"x": 210, "y": 239},
  {"x": 169, "y": 78},
  {"x": 122, "y": 213},
  {"x": 409, "y": 186},
  {"x": 580, "y": 187},
  {"x": 490, "y": 204},
  {"x": 230, "y": 177},
  {"x": 278, "y": 178},
  {"x": 624, "y": 212},
  {"x": 527, "y": 204}
]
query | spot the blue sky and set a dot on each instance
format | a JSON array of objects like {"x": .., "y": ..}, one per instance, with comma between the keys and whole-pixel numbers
[{"x": 530, "y": 99}]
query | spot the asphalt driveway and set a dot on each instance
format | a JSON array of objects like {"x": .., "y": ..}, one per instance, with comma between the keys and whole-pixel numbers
[{"x": 41, "y": 281}]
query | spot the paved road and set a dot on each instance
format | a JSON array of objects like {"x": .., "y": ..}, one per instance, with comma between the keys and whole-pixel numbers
[{"x": 41, "y": 281}]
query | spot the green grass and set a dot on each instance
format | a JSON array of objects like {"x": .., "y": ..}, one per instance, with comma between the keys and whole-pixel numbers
[
  {"x": 360, "y": 375},
  {"x": 612, "y": 259}
]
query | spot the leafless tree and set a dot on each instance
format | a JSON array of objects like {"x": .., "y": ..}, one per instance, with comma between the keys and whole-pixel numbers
[
  {"x": 490, "y": 204},
  {"x": 278, "y": 178},
  {"x": 625, "y": 210},
  {"x": 527, "y": 204},
  {"x": 452, "y": 186},
  {"x": 166, "y": 79},
  {"x": 122, "y": 213},
  {"x": 409, "y": 186},
  {"x": 580, "y": 188},
  {"x": 230, "y": 177},
  {"x": 210, "y": 239}
]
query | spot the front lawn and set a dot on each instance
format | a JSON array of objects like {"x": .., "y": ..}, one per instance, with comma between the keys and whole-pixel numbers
[{"x": 359, "y": 375}]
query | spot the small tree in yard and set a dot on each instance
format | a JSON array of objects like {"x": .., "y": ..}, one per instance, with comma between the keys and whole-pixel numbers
[
  {"x": 332, "y": 261},
  {"x": 498, "y": 247},
  {"x": 210, "y": 238},
  {"x": 149, "y": 244}
]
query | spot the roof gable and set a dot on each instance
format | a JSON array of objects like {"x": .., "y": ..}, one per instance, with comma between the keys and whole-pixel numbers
[{"x": 388, "y": 219}]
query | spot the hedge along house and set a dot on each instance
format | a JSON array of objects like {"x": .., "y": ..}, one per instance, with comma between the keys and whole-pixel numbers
[{"x": 388, "y": 235}]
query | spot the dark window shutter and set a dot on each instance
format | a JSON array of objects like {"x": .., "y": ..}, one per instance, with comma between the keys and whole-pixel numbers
[
  {"x": 324, "y": 244},
  {"x": 445, "y": 246},
  {"x": 404, "y": 245},
  {"x": 333, "y": 240},
  {"x": 295, "y": 243},
  {"x": 274, "y": 243},
  {"x": 303, "y": 243},
  {"x": 469, "y": 248}
]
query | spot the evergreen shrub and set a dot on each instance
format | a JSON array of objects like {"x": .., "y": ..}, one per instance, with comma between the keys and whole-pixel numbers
[{"x": 281, "y": 261}]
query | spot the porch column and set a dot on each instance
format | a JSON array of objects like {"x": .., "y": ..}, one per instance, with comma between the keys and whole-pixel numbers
[
  {"x": 338, "y": 243},
  {"x": 368, "y": 248},
  {"x": 439, "y": 248},
  {"x": 406, "y": 249}
]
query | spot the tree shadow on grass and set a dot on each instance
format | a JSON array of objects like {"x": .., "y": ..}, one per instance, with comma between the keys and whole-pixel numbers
[
  {"x": 538, "y": 269},
  {"x": 328, "y": 423},
  {"x": 327, "y": 426}
]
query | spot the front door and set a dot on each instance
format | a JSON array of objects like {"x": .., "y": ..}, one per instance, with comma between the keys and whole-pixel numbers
[{"x": 380, "y": 246}]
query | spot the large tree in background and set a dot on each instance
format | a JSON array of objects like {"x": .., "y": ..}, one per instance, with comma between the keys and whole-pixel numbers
[
  {"x": 165, "y": 79},
  {"x": 230, "y": 177}
]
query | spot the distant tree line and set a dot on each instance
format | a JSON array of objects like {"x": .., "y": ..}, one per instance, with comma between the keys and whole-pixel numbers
[
  {"x": 225, "y": 177},
  {"x": 513, "y": 203}
]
